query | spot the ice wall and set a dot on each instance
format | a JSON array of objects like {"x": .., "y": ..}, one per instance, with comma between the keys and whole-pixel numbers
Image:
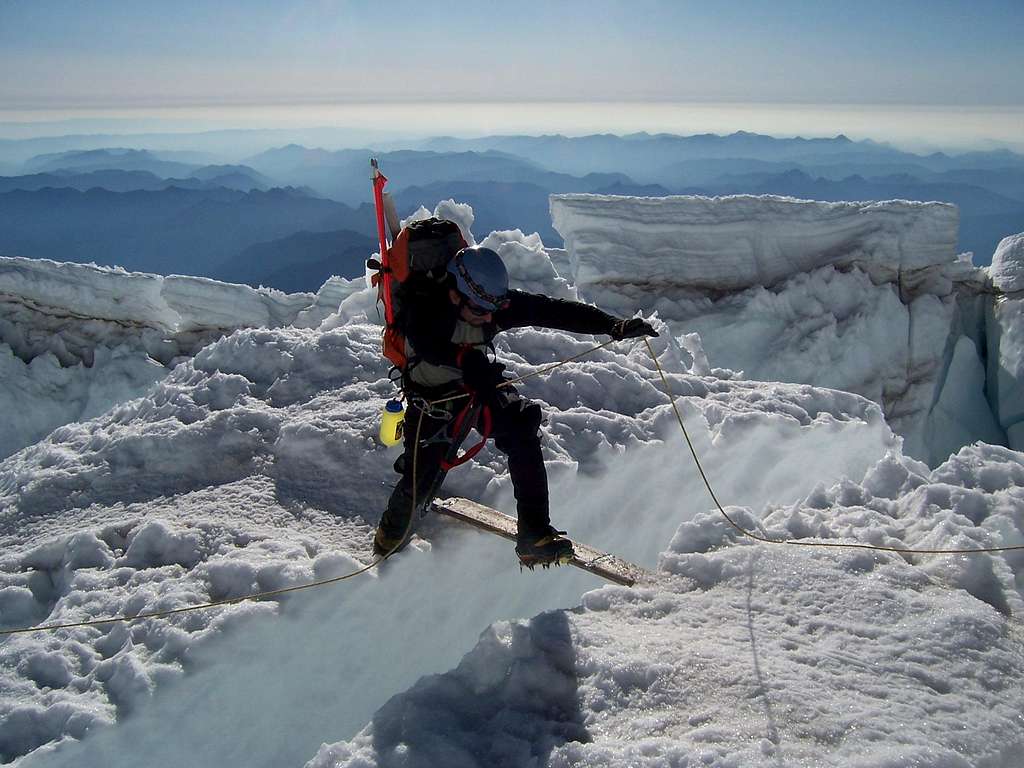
[
  {"x": 866, "y": 297},
  {"x": 76, "y": 339},
  {"x": 729, "y": 243},
  {"x": 1005, "y": 322},
  {"x": 173, "y": 304}
]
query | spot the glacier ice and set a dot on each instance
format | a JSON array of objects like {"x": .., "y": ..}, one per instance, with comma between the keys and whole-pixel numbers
[
  {"x": 866, "y": 297},
  {"x": 77, "y": 339},
  {"x": 252, "y": 464},
  {"x": 1005, "y": 327}
]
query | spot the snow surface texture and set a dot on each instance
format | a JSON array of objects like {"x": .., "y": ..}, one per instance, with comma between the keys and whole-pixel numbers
[
  {"x": 1007, "y": 268},
  {"x": 866, "y": 297},
  {"x": 76, "y": 339},
  {"x": 253, "y": 465},
  {"x": 731, "y": 243},
  {"x": 1006, "y": 338}
]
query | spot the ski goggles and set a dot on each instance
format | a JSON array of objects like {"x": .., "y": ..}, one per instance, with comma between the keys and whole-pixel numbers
[
  {"x": 498, "y": 302},
  {"x": 479, "y": 311}
]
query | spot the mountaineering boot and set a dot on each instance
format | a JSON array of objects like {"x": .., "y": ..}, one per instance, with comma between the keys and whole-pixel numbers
[
  {"x": 543, "y": 548},
  {"x": 384, "y": 545},
  {"x": 396, "y": 525}
]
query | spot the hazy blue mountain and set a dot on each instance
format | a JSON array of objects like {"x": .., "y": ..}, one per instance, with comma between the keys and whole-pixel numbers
[
  {"x": 1005, "y": 181},
  {"x": 982, "y": 233},
  {"x": 496, "y": 205},
  {"x": 174, "y": 211},
  {"x": 685, "y": 173},
  {"x": 665, "y": 158},
  {"x": 345, "y": 175},
  {"x": 991, "y": 160},
  {"x": 230, "y": 175},
  {"x": 108, "y": 159},
  {"x": 971, "y": 199},
  {"x": 185, "y": 156},
  {"x": 281, "y": 161},
  {"x": 114, "y": 181},
  {"x": 985, "y": 216},
  {"x": 644, "y": 156},
  {"x": 168, "y": 231},
  {"x": 633, "y": 190},
  {"x": 515, "y": 205},
  {"x": 703, "y": 171},
  {"x": 238, "y": 181},
  {"x": 210, "y": 177},
  {"x": 301, "y": 261},
  {"x": 200, "y": 148}
]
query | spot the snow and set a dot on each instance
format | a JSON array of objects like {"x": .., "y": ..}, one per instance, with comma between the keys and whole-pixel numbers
[
  {"x": 866, "y": 297},
  {"x": 1007, "y": 269},
  {"x": 822, "y": 679},
  {"x": 753, "y": 654},
  {"x": 735, "y": 242},
  {"x": 77, "y": 339},
  {"x": 1005, "y": 340},
  {"x": 460, "y": 213},
  {"x": 250, "y": 463},
  {"x": 528, "y": 263}
]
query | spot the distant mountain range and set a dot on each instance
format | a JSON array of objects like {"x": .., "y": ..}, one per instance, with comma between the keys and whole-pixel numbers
[
  {"x": 217, "y": 146},
  {"x": 291, "y": 215},
  {"x": 175, "y": 230},
  {"x": 344, "y": 175},
  {"x": 657, "y": 158},
  {"x": 300, "y": 262},
  {"x": 971, "y": 199},
  {"x": 985, "y": 216},
  {"x": 514, "y": 205},
  {"x": 107, "y": 159},
  {"x": 209, "y": 177}
]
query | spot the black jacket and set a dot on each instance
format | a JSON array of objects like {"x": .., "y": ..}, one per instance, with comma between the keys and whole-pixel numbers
[{"x": 429, "y": 320}]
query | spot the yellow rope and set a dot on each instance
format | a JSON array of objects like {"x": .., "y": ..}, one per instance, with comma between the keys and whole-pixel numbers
[
  {"x": 187, "y": 609},
  {"x": 379, "y": 560},
  {"x": 233, "y": 600},
  {"x": 311, "y": 585},
  {"x": 796, "y": 542},
  {"x": 546, "y": 369}
]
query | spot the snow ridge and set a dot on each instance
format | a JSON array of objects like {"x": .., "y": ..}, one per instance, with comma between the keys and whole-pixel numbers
[
  {"x": 736, "y": 242},
  {"x": 253, "y": 465},
  {"x": 866, "y": 297},
  {"x": 77, "y": 339}
]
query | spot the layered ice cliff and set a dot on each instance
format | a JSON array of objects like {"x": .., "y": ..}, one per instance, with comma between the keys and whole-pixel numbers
[
  {"x": 866, "y": 297},
  {"x": 732, "y": 243},
  {"x": 252, "y": 465},
  {"x": 76, "y": 339},
  {"x": 1005, "y": 325}
]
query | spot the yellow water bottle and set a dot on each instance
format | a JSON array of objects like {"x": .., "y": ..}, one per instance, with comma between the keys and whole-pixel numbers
[{"x": 392, "y": 422}]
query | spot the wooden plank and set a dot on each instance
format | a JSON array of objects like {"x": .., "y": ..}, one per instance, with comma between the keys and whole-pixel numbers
[{"x": 603, "y": 564}]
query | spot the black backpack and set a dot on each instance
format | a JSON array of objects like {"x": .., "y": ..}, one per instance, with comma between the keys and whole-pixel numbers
[{"x": 417, "y": 263}]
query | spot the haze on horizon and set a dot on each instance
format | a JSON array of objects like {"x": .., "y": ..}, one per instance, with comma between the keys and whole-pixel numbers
[{"x": 920, "y": 74}]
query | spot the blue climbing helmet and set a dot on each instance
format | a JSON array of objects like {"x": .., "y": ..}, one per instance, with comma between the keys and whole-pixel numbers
[{"x": 481, "y": 277}]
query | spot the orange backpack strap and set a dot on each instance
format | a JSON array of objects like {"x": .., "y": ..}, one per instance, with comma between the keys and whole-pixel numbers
[
  {"x": 394, "y": 347},
  {"x": 398, "y": 257},
  {"x": 422, "y": 247}
]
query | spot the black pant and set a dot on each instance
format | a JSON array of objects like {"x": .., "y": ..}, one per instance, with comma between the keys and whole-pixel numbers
[{"x": 515, "y": 428}]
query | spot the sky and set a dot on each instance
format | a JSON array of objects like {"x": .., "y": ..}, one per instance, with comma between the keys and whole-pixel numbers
[
  {"x": 65, "y": 58},
  {"x": 99, "y": 53}
]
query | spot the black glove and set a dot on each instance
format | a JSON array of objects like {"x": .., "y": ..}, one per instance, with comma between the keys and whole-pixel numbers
[
  {"x": 632, "y": 328},
  {"x": 479, "y": 374}
]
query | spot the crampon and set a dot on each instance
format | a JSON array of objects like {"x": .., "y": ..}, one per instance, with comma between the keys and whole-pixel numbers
[{"x": 549, "y": 549}]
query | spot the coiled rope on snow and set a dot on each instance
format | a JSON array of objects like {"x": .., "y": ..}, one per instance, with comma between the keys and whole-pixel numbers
[{"x": 700, "y": 469}]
